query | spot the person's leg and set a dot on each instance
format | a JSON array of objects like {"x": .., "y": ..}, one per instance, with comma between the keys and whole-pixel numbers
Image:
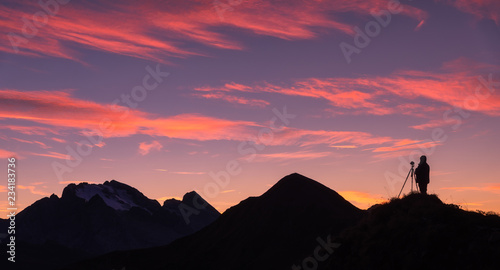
[{"x": 423, "y": 188}]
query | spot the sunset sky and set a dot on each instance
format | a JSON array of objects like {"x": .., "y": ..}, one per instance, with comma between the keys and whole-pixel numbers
[{"x": 226, "y": 97}]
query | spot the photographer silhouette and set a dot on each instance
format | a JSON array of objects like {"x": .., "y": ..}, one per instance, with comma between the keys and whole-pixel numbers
[{"x": 422, "y": 174}]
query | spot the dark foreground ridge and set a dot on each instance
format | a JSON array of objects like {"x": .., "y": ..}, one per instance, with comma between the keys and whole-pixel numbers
[{"x": 419, "y": 232}]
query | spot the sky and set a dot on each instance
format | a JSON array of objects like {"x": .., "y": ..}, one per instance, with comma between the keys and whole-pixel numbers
[{"x": 226, "y": 97}]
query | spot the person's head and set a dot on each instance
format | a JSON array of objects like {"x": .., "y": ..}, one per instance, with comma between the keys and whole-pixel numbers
[{"x": 423, "y": 159}]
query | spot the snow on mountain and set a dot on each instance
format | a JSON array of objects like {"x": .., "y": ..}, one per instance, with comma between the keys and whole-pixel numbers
[{"x": 116, "y": 199}]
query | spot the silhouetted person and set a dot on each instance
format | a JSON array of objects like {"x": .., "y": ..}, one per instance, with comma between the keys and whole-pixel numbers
[{"x": 422, "y": 174}]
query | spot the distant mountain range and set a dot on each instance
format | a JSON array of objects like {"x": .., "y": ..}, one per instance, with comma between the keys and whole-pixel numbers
[
  {"x": 93, "y": 219},
  {"x": 297, "y": 224},
  {"x": 272, "y": 231}
]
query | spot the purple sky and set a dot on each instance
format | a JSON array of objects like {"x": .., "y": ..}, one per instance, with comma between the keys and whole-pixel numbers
[{"x": 364, "y": 96}]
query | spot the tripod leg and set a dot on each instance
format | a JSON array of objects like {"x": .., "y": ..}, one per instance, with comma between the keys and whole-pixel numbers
[
  {"x": 414, "y": 179},
  {"x": 405, "y": 182}
]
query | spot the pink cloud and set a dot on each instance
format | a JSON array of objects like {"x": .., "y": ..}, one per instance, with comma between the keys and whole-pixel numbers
[
  {"x": 145, "y": 148},
  {"x": 302, "y": 137},
  {"x": 187, "y": 21},
  {"x": 406, "y": 145},
  {"x": 59, "y": 140},
  {"x": 52, "y": 155},
  {"x": 60, "y": 110},
  {"x": 433, "y": 124},
  {"x": 46, "y": 107},
  {"x": 462, "y": 83},
  {"x": 235, "y": 99},
  {"x": 6, "y": 154}
]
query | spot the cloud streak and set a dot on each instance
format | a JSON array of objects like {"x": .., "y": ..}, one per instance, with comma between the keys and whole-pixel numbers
[
  {"x": 60, "y": 110},
  {"x": 461, "y": 83},
  {"x": 160, "y": 30}
]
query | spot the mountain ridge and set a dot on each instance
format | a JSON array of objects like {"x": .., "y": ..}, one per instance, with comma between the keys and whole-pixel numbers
[
  {"x": 93, "y": 219},
  {"x": 250, "y": 232}
]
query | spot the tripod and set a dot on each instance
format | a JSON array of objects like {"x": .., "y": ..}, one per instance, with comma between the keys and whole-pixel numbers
[{"x": 411, "y": 174}]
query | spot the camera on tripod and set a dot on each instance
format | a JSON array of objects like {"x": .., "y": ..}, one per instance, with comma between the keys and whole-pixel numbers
[{"x": 411, "y": 175}]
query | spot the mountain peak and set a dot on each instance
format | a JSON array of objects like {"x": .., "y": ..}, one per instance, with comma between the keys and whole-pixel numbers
[
  {"x": 296, "y": 189},
  {"x": 294, "y": 184},
  {"x": 116, "y": 195}
]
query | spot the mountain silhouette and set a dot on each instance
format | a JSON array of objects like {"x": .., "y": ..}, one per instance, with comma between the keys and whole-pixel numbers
[
  {"x": 189, "y": 210},
  {"x": 93, "y": 219},
  {"x": 270, "y": 231},
  {"x": 296, "y": 224}
]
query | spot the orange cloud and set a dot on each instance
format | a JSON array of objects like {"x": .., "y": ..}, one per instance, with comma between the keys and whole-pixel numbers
[
  {"x": 482, "y": 9},
  {"x": 145, "y": 148},
  {"x": 156, "y": 31}
]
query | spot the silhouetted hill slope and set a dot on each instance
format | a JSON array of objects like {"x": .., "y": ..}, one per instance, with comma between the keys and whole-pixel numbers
[
  {"x": 266, "y": 232},
  {"x": 419, "y": 232},
  {"x": 93, "y": 219}
]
